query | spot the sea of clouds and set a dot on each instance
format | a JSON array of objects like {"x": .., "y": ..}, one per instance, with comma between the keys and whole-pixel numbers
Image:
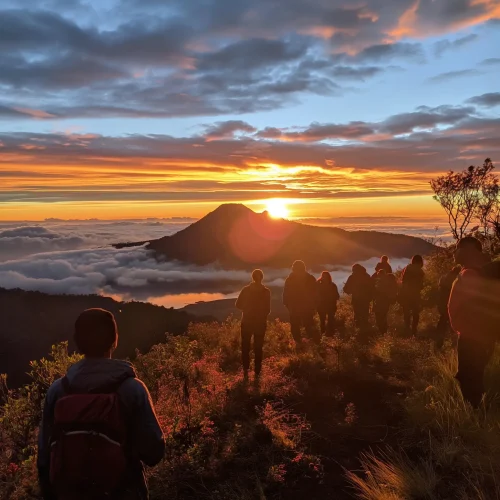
[{"x": 76, "y": 257}]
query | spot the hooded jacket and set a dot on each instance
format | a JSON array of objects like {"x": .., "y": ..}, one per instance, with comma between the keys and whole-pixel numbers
[
  {"x": 299, "y": 294},
  {"x": 359, "y": 285},
  {"x": 146, "y": 440}
]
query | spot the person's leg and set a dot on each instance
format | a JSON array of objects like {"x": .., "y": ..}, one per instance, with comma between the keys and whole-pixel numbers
[
  {"x": 246, "y": 337},
  {"x": 381, "y": 311},
  {"x": 322, "y": 320},
  {"x": 365, "y": 313},
  {"x": 407, "y": 316},
  {"x": 357, "y": 312},
  {"x": 310, "y": 327},
  {"x": 416, "y": 317},
  {"x": 473, "y": 356},
  {"x": 295, "y": 324},
  {"x": 377, "y": 309},
  {"x": 258, "y": 346},
  {"x": 330, "y": 327}
]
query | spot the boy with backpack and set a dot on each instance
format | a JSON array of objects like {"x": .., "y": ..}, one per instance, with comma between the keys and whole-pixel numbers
[{"x": 98, "y": 425}]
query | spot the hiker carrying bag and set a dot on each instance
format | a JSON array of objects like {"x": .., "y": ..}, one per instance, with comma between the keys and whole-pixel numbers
[{"x": 88, "y": 458}]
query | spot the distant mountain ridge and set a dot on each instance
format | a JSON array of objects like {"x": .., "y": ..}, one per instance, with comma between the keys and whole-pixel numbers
[
  {"x": 31, "y": 322},
  {"x": 236, "y": 237}
]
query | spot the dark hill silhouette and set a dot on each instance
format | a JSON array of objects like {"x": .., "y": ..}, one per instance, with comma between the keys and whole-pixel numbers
[
  {"x": 31, "y": 322},
  {"x": 237, "y": 237}
]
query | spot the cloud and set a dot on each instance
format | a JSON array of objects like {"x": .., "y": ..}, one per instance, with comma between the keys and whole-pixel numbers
[
  {"x": 18, "y": 241},
  {"x": 389, "y": 51},
  {"x": 134, "y": 274},
  {"x": 395, "y": 156},
  {"x": 449, "y": 45},
  {"x": 453, "y": 75},
  {"x": 489, "y": 100},
  {"x": 227, "y": 129},
  {"x": 492, "y": 61},
  {"x": 204, "y": 58}
]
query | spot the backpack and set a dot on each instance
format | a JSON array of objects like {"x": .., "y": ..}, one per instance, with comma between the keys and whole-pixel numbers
[{"x": 88, "y": 443}]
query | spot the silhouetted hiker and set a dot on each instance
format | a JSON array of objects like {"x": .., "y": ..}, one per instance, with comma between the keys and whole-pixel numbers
[
  {"x": 384, "y": 264},
  {"x": 255, "y": 303},
  {"x": 445, "y": 285},
  {"x": 360, "y": 286},
  {"x": 98, "y": 424},
  {"x": 299, "y": 297},
  {"x": 474, "y": 309},
  {"x": 328, "y": 295},
  {"x": 412, "y": 282},
  {"x": 386, "y": 293}
]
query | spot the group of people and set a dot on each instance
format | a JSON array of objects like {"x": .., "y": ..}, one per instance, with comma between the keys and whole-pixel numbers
[
  {"x": 304, "y": 296},
  {"x": 99, "y": 425}
]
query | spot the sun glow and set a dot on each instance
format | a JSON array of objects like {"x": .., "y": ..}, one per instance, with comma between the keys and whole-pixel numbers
[{"x": 277, "y": 208}]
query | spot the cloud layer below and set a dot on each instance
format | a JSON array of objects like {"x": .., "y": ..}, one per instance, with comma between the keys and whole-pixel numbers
[{"x": 132, "y": 273}]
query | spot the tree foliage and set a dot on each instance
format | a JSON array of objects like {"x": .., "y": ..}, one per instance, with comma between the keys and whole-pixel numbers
[{"x": 470, "y": 196}]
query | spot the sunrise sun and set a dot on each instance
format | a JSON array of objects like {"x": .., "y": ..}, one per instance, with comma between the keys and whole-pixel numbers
[{"x": 277, "y": 208}]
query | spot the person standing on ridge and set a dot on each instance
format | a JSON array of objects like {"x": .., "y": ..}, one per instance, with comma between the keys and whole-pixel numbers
[
  {"x": 445, "y": 286},
  {"x": 412, "y": 283},
  {"x": 474, "y": 309},
  {"x": 98, "y": 425},
  {"x": 299, "y": 297},
  {"x": 360, "y": 286},
  {"x": 384, "y": 264},
  {"x": 255, "y": 303},
  {"x": 328, "y": 296},
  {"x": 386, "y": 292}
]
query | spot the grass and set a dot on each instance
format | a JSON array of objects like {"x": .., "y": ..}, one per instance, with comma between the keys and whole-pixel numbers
[{"x": 361, "y": 415}]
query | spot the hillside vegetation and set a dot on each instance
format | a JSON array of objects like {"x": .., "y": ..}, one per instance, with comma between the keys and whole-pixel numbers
[{"x": 363, "y": 415}]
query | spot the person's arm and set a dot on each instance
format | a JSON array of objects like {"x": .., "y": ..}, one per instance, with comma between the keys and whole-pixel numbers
[
  {"x": 286, "y": 293},
  {"x": 348, "y": 286},
  {"x": 44, "y": 435},
  {"x": 336, "y": 294},
  {"x": 147, "y": 434},
  {"x": 240, "y": 301},
  {"x": 268, "y": 302}
]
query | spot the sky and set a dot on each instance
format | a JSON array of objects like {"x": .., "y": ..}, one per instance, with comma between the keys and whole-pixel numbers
[{"x": 146, "y": 108}]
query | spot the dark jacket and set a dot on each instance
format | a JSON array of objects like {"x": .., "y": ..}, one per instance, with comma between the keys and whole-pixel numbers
[
  {"x": 299, "y": 294},
  {"x": 385, "y": 266},
  {"x": 147, "y": 443},
  {"x": 360, "y": 286},
  {"x": 386, "y": 288},
  {"x": 255, "y": 303},
  {"x": 412, "y": 282},
  {"x": 327, "y": 296}
]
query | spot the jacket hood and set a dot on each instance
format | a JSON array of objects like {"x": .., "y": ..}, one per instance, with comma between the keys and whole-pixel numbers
[{"x": 89, "y": 374}]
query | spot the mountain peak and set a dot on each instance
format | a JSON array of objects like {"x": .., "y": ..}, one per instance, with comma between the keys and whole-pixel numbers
[{"x": 237, "y": 237}]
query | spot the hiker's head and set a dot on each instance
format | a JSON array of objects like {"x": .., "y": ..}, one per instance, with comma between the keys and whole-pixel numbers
[
  {"x": 468, "y": 251},
  {"x": 257, "y": 276},
  {"x": 384, "y": 259},
  {"x": 299, "y": 267},
  {"x": 417, "y": 260},
  {"x": 326, "y": 277},
  {"x": 357, "y": 269},
  {"x": 96, "y": 334}
]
